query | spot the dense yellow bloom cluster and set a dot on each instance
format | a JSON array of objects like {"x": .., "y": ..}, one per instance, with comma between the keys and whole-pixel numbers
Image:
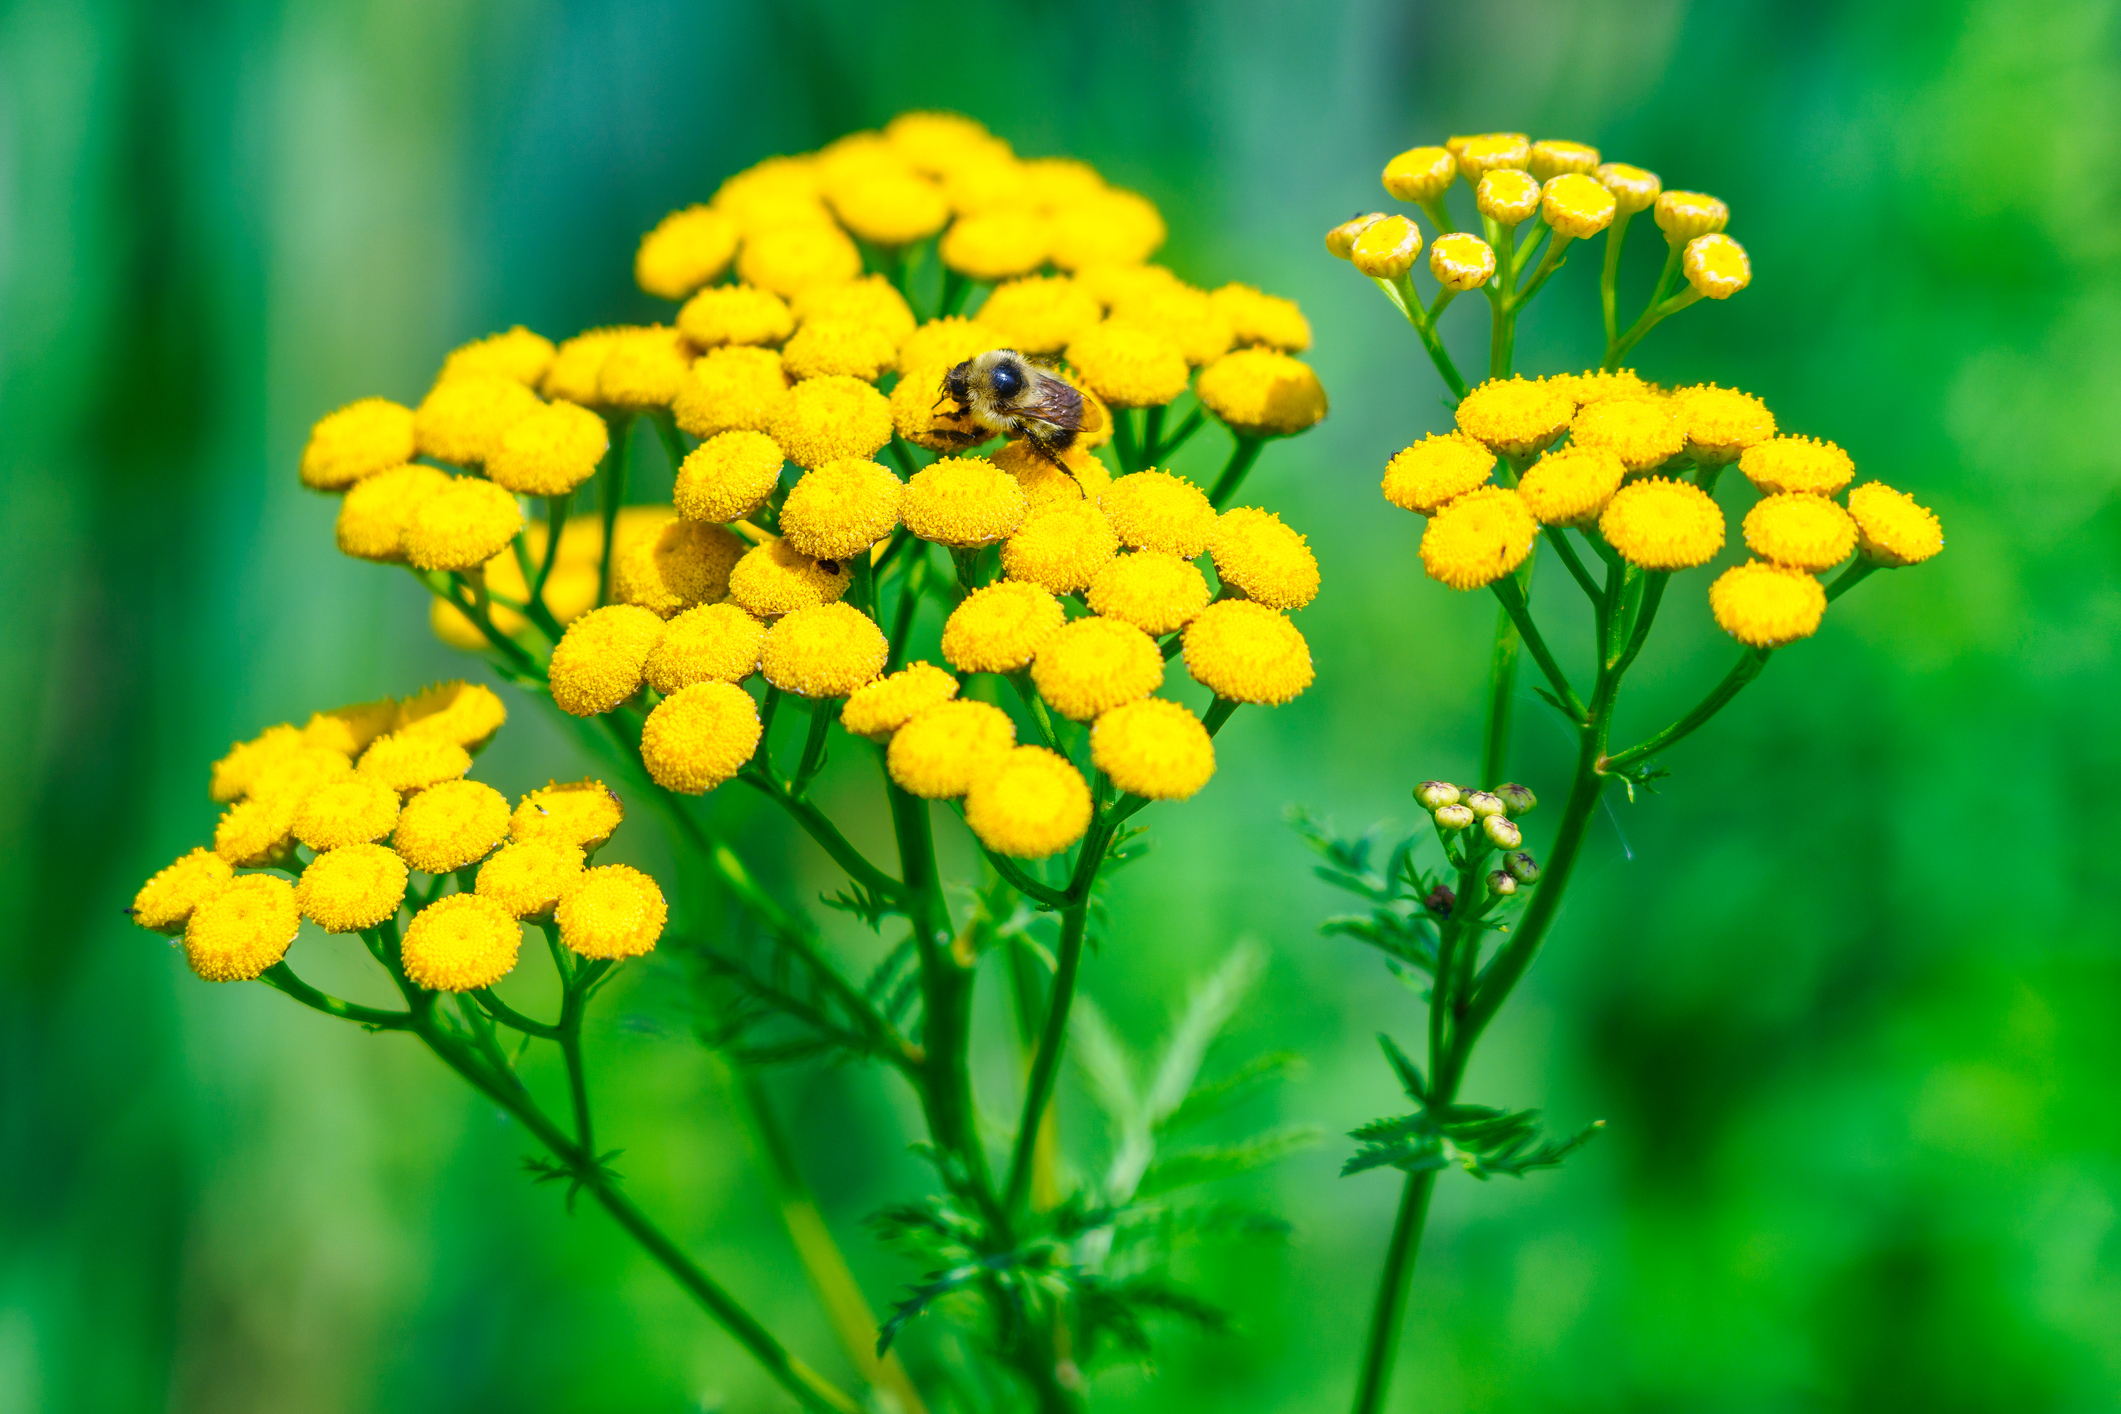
[{"x": 349, "y": 806}]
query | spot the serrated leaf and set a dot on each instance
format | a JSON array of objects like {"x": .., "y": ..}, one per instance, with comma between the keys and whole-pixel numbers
[
  {"x": 1188, "y": 1167},
  {"x": 1410, "y": 1079},
  {"x": 1208, "y": 1100}
]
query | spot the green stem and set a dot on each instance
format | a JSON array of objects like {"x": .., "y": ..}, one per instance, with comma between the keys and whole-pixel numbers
[
  {"x": 1234, "y": 471},
  {"x": 1125, "y": 444},
  {"x": 1609, "y": 278},
  {"x": 861, "y": 589},
  {"x": 1547, "y": 266},
  {"x": 912, "y": 581},
  {"x": 1558, "y": 537},
  {"x": 1407, "y": 301},
  {"x": 555, "y": 522},
  {"x": 1652, "y": 312},
  {"x": 1021, "y": 680},
  {"x": 1749, "y": 666},
  {"x": 1502, "y": 687},
  {"x": 826, "y": 834},
  {"x": 1152, "y": 434},
  {"x": 611, "y": 494},
  {"x": 1511, "y": 593},
  {"x": 1389, "y": 1311},
  {"x": 1183, "y": 435},
  {"x": 813, "y": 757},
  {"x": 282, "y": 978}
]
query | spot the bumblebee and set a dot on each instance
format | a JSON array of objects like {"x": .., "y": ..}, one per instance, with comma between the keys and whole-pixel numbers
[{"x": 1002, "y": 392}]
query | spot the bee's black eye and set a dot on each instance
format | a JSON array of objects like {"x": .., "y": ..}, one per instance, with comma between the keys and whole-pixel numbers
[{"x": 1008, "y": 380}]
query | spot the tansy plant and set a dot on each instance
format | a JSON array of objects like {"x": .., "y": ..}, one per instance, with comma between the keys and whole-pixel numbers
[
  {"x": 1617, "y": 478},
  {"x": 833, "y": 529}
]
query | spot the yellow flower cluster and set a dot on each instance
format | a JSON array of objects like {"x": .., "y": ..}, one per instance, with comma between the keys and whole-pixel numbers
[
  {"x": 1614, "y": 456},
  {"x": 357, "y": 799}
]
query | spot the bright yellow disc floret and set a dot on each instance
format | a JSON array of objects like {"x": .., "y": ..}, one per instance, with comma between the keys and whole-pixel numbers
[
  {"x": 1596, "y": 385},
  {"x": 1720, "y": 423},
  {"x": 881, "y": 708},
  {"x": 1000, "y": 628},
  {"x": 1385, "y": 248},
  {"x": 461, "y": 525},
  {"x": 451, "y": 825},
  {"x": 839, "y": 348},
  {"x": 1663, "y": 525},
  {"x": 351, "y": 728},
  {"x": 645, "y": 368},
  {"x": 1032, "y": 804},
  {"x": 1800, "y": 531},
  {"x": 1420, "y": 174},
  {"x": 1488, "y": 152},
  {"x": 1507, "y": 196},
  {"x": 871, "y": 300},
  {"x": 942, "y": 750},
  {"x": 947, "y": 342},
  {"x": 700, "y": 736},
  {"x": 1260, "y": 557},
  {"x": 234, "y": 773},
  {"x": 599, "y": 661},
  {"x": 922, "y": 415},
  {"x": 354, "y": 811},
  {"x": 712, "y": 643},
  {"x": 357, "y": 441},
  {"x": 1156, "y": 510},
  {"x": 1517, "y": 417},
  {"x": 1041, "y": 315},
  {"x": 1633, "y": 188},
  {"x": 727, "y": 477},
  {"x": 687, "y": 249},
  {"x": 825, "y": 419},
  {"x": 408, "y": 762},
  {"x": 1153, "y": 748},
  {"x": 770, "y": 192},
  {"x": 1245, "y": 652},
  {"x": 1797, "y": 464},
  {"x": 963, "y": 502},
  {"x": 461, "y": 943},
  {"x": 577, "y": 364},
  {"x": 730, "y": 390},
  {"x": 1552, "y": 157},
  {"x": 1060, "y": 545},
  {"x": 1093, "y": 665},
  {"x": 166, "y": 901},
  {"x": 890, "y": 208},
  {"x": 1478, "y": 538},
  {"x": 735, "y": 315},
  {"x": 372, "y": 518},
  {"x": 1113, "y": 283},
  {"x": 1155, "y": 591},
  {"x": 463, "y": 418},
  {"x": 352, "y": 887},
  {"x": 827, "y": 651},
  {"x": 1765, "y": 606},
  {"x": 581, "y": 813},
  {"x": 842, "y": 508},
  {"x": 611, "y": 911},
  {"x": 1188, "y": 317},
  {"x": 243, "y": 929},
  {"x": 527, "y": 877},
  {"x": 1894, "y": 529},
  {"x": 1436, "y": 470},
  {"x": 1577, "y": 205},
  {"x": 686, "y": 564},
  {"x": 1683, "y": 215},
  {"x": 1079, "y": 477},
  {"x": 256, "y": 833},
  {"x": 1260, "y": 393},
  {"x": 999, "y": 244},
  {"x": 1645, "y": 432},
  {"x": 550, "y": 452},
  {"x": 466, "y": 713},
  {"x": 1128, "y": 365},
  {"x": 776, "y": 578},
  {"x": 788, "y": 259},
  {"x": 1716, "y": 266},
  {"x": 1461, "y": 261},
  {"x": 1110, "y": 225},
  {"x": 1268, "y": 321},
  {"x": 1571, "y": 485}
]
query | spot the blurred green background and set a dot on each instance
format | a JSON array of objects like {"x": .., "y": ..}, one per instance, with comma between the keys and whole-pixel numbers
[{"x": 1847, "y": 991}]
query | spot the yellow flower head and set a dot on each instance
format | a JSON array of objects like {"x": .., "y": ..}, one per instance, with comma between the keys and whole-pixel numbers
[
  {"x": 1156, "y": 510},
  {"x": 942, "y": 750},
  {"x": 358, "y": 810},
  {"x": 1084, "y": 478},
  {"x": 1032, "y": 804},
  {"x": 461, "y": 525},
  {"x": 711, "y": 643},
  {"x": 789, "y": 259},
  {"x": 1188, "y": 317},
  {"x": 1571, "y": 485},
  {"x": 1155, "y": 591},
  {"x": 1000, "y": 628},
  {"x": 1420, "y": 174},
  {"x": 357, "y": 441},
  {"x": 165, "y": 902},
  {"x": 465, "y": 713},
  {"x": 1061, "y": 181},
  {"x": 350, "y": 888},
  {"x": 890, "y": 208},
  {"x": 372, "y": 518},
  {"x": 735, "y": 315},
  {"x": 1663, "y": 525},
  {"x": 1894, "y": 530},
  {"x": 990, "y": 184},
  {"x": 527, "y": 877},
  {"x": 824, "y": 419},
  {"x": 1061, "y": 545},
  {"x": 598, "y": 663},
  {"x": 1436, "y": 470},
  {"x": 577, "y": 365},
  {"x": 1264, "y": 559},
  {"x": 1245, "y": 652},
  {"x": 727, "y": 477},
  {"x": 881, "y": 708},
  {"x": 1583, "y": 389},
  {"x": 408, "y": 762},
  {"x": 1386, "y": 248},
  {"x": 518, "y": 354},
  {"x": 776, "y": 578},
  {"x": 611, "y": 911},
  {"x": 1797, "y": 464},
  {"x": 700, "y": 736},
  {"x": 1765, "y": 606},
  {"x": 1683, "y": 215},
  {"x": 580, "y": 813},
  {"x": 1340, "y": 240},
  {"x": 1110, "y": 225},
  {"x": 1260, "y": 393},
  {"x": 1645, "y": 432},
  {"x": 1720, "y": 423},
  {"x": 243, "y": 929},
  {"x": 841, "y": 508},
  {"x": 846, "y": 348},
  {"x": 1093, "y": 665},
  {"x": 827, "y": 651},
  {"x": 461, "y": 419},
  {"x": 687, "y": 563},
  {"x": 1576, "y": 205},
  {"x": 234, "y": 773},
  {"x": 1551, "y": 158},
  {"x": 730, "y": 390},
  {"x": 871, "y": 300},
  {"x": 1266, "y": 320},
  {"x": 644, "y": 368},
  {"x": 921, "y": 414},
  {"x": 1488, "y": 152},
  {"x": 942, "y": 142},
  {"x": 769, "y": 193},
  {"x": 963, "y": 501},
  {"x": 256, "y": 833},
  {"x": 1461, "y": 261},
  {"x": 451, "y": 825},
  {"x": 1716, "y": 266},
  {"x": 687, "y": 249},
  {"x": 1517, "y": 417},
  {"x": 1633, "y": 188},
  {"x": 1478, "y": 538},
  {"x": 1153, "y": 748},
  {"x": 297, "y": 769},
  {"x": 999, "y": 244},
  {"x": 1507, "y": 196},
  {"x": 1128, "y": 365},
  {"x": 1112, "y": 283},
  {"x": 1802, "y": 532},
  {"x": 1039, "y": 315},
  {"x": 461, "y": 943},
  {"x": 945, "y": 343},
  {"x": 550, "y": 452}
]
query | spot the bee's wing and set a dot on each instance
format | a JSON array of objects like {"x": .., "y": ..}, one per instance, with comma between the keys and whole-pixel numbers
[{"x": 1055, "y": 402}]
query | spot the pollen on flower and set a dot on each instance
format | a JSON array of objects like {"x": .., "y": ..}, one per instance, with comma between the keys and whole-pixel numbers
[
  {"x": 1720, "y": 423},
  {"x": 1571, "y": 485},
  {"x": 871, "y": 300},
  {"x": 644, "y": 368},
  {"x": 733, "y": 389},
  {"x": 1894, "y": 529},
  {"x": 1800, "y": 531},
  {"x": 1000, "y": 628},
  {"x": 1435, "y": 471},
  {"x": 942, "y": 750},
  {"x": 1576, "y": 205},
  {"x": 408, "y": 762},
  {"x": 354, "y": 811},
  {"x": 1153, "y": 748},
  {"x": 735, "y": 315},
  {"x": 461, "y": 525},
  {"x": 1084, "y": 477},
  {"x": 687, "y": 249},
  {"x": 1716, "y": 266},
  {"x": 612, "y": 911},
  {"x": 1110, "y": 224},
  {"x": 527, "y": 877},
  {"x": 466, "y": 713},
  {"x": 1041, "y": 314},
  {"x": 165, "y": 902},
  {"x": 1633, "y": 188},
  {"x": 824, "y": 419},
  {"x": 1093, "y": 665},
  {"x": 1061, "y": 545},
  {"x": 999, "y": 244},
  {"x": 1765, "y": 606},
  {"x": 1420, "y": 174},
  {"x": 839, "y": 348},
  {"x": 599, "y": 661},
  {"x": 358, "y": 440},
  {"x": 700, "y": 736},
  {"x": 727, "y": 477},
  {"x": 841, "y": 508},
  {"x": 788, "y": 259},
  {"x": 462, "y": 418},
  {"x": 1663, "y": 525},
  {"x": 1260, "y": 393},
  {"x": 577, "y": 364},
  {"x": 686, "y": 563},
  {"x": 711, "y": 643},
  {"x": 963, "y": 502},
  {"x": 1186, "y": 316},
  {"x": 372, "y": 518},
  {"x": 1552, "y": 157},
  {"x": 1245, "y": 652},
  {"x": 451, "y": 825},
  {"x": 581, "y": 813},
  {"x": 881, "y": 708},
  {"x": 1157, "y": 510},
  {"x": 775, "y": 578},
  {"x": 1461, "y": 261},
  {"x": 550, "y": 452},
  {"x": 1034, "y": 803},
  {"x": 1155, "y": 591},
  {"x": 1683, "y": 215},
  {"x": 256, "y": 833},
  {"x": 1507, "y": 196},
  {"x": 1478, "y": 538},
  {"x": 460, "y": 944},
  {"x": 352, "y": 887},
  {"x": 1644, "y": 432},
  {"x": 243, "y": 929},
  {"x": 1386, "y": 248},
  {"x": 827, "y": 651},
  {"x": 922, "y": 414},
  {"x": 1268, "y": 321},
  {"x": 1797, "y": 464},
  {"x": 1516, "y": 416}
]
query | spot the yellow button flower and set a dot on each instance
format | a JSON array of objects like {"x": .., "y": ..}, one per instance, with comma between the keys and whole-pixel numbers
[
  {"x": 1264, "y": 559},
  {"x": 1340, "y": 240},
  {"x": 460, "y": 944},
  {"x": 1156, "y": 510},
  {"x": 1720, "y": 423},
  {"x": 1478, "y": 538},
  {"x": 941, "y": 751},
  {"x": 921, "y": 414},
  {"x": 550, "y": 452},
  {"x": 357, "y": 441},
  {"x": 466, "y": 713},
  {"x": 1111, "y": 225},
  {"x": 1061, "y": 181},
  {"x": 989, "y": 185},
  {"x": 1000, "y": 628},
  {"x": 1683, "y": 215},
  {"x": 1080, "y": 476},
  {"x": 890, "y": 208},
  {"x": 348, "y": 730},
  {"x": 871, "y": 300},
  {"x": 732, "y": 315},
  {"x": 1765, "y": 606},
  {"x": 711, "y": 643},
  {"x": 1263, "y": 319},
  {"x": 354, "y": 811},
  {"x": 1188, "y": 317},
  {"x": 612, "y": 911},
  {"x": 598, "y": 663},
  {"x": 964, "y": 502},
  {"x": 577, "y": 364},
  {"x": 1633, "y": 188},
  {"x": 1488, "y": 152},
  {"x": 1894, "y": 529},
  {"x": 165, "y": 902},
  {"x": 687, "y": 563},
  {"x": 770, "y": 192},
  {"x": 1436, "y": 470},
  {"x": 298, "y": 770},
  {"x": 1796, "y": 464},
  {"x": 1031, "y": 805},
  {"x": 1387, "y": 248},
  {"x": 1551, "y": 158},
  {"x": 1420, "y": 174},
  {"x": 1155, "y": 591},
  {"x": 1576, "y": 205},
  {"x": 462, "y": 419},
  {"x": 518, "y": 354},
  {"x": 1261, "y": 393},
  {"x": 1112, "y": 283},
  {"x": 1093, "y": 665},
  {"x": 1129, "y": 366},
  {"x": 1040, "y": 315},
  {"x": 1644, "y": 432},
  {"x": 234, "y": 773},
  {"x": 451, "y": 825},
  {"x": 372, "y": 518},
  {"x": 730, "y": 390},
  {"x": 1060, "y": 545},
  {"x": 527, "y": 877},
  {"x": 1800, "y": 531},
  {"x": 1505, "y": 196},
  {"x": 727, "y": 477},
  {"x": 644, "y": 368},
  {"x": 1597, "y": 385},
  {"x": 1153, "y": 748},
  {"x": 827, "y": 651},
  {"x": 789, "y": 259},
  {"x": 1663, "y": 525},
  {"x": 945, "y": 343},
  {"x": 353, "y": 887},
  {"x": 825, "y": 419},
  {"x": 937, "y": 142},
  {"x": 1516, "y": 416},
  {"x": 1571, "y": 485},
  {"x": 581, "y": 813},
  {"x": 407, "y": 762},
  {"x": 1245, "y": 652},
  {"x": 242, "y": 930},
  {"x": 999, "y": 244},
  {"x": 839, "y": 348},
  {"x": 776, "y": 578},
  {"x": 700, "y": 736},
  {"x": 1716, "y": 266},
  {"x": 881, "y": 708},
  {"x": 687, "y": 249},
  {"x": 1461, "y": 261},
  {"x": 841, "y": 508},
  {"x": 256, "y": 833},
  {"x": 461, "y": 525}
]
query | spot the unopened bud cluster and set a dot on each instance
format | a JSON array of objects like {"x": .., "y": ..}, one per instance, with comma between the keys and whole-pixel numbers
[{"x": 1457, "y": 809}]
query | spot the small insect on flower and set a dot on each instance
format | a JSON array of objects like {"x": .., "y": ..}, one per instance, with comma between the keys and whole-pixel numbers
[{"x": 1003, "y": 393}]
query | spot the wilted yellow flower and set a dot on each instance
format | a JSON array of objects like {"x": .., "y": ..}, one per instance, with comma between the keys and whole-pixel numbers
[
  {"x": 687, "y": 249},
  {"x": 1461, "y": 261},
  {"x": 1157, "y": 510},
  {"x": 824, "y": 419},
  {"x": 1039, "y": 315},
  {"x": 581, "y": 813},
  {"x": 644, "y": 368},
  {"x": 358, "y": 440},
  {"x": 460, "y": 944},
  {"x": 730, "y": 389},
  {"x": 1633, "y": 188},
  {"x": 372, "y": 518},
  {"x": 256, "y": 833},
  {"x": 826, "y": 651},
  {"x": 1261, "y": 393},
  {"x": 1266, "y": 561},
  {"x": 1032, "y": 804},
  {"x": 353, "y": 887},
  {"x": 1800, "y": 531},
  {"x": 1488, "y": 152},
  {"x": 1797, "y": 464},
  {"x": 1000, "y": 628},
  {"x": 243, "y": 929},
  {"x": 1683, "y": 215},
  {"x": 1517, "y": 417},
  {"x": 527, "y": 877},
  {"x": 1093, "y": 665},
  {"x": 727, "y": 477},
  {"x": 1268, "y": 320},
  {"x": 871, "y": 300},
  {"x": 1245, "y": 652},
  {"x": 1550, "y": 158},
  {"x": 1434, "y": 471},
  {"x": 1420, "y": 174},
  {"x": 882, "y": 707},
  {"x": 789, "y": 259},
  {"x": 1061, "y": 545},
  {"x": 1387, "y": 248},
  {"x": 1506, "y": 196},
  {"x": 1110, "y": 225},
  {"x": 1894, "y": 529},
  {"x": 354, "y": 811},
  {"x": 1153, "y": 748},
  {"x": 409, "y": 762},
  {"x": 1721, "y": 422},
  {"x": 165, "y": 902},
  {"x": 963, "y": 501},
  {"x": 451, "y": 825},
  {"x": 1128, "y": 365},
  {"x": 999, "y": 244},
  {"x": 711, "y": 643},
  {"x": 1155, "y": 591},
  {"x": 578, "y": 364},
  {"x": 1663, "y": 525},
  {"x": 1571, "y": 485},
  {"x": 461, "y": 419},
  {"x": 825, "y": 348},
  {"x": 942, "y": 750},
  {"x": 598, "y": 662},
  {"x": 1644, "y": 432},
  {"x": 686, "y": 563},
  {"x": 1716, "y": 266},
  {"x": 700, "y": 736},
  {"x": 1478, "y": 538},
  {"x": 1765, "y": 606},
  {"x": 612, "y": 911},
  {"x": 461, "y": 525},
  {"x": 776, "y": 578},
  {"x": 1576, "y": 205},
  {"x": 1080, "y": 476}
]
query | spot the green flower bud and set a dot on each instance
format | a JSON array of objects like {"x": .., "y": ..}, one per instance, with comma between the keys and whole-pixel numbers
[
  {"x": 1522, "y": 867},
  {"x": 1501, "y": 885},
  {"x": 1499, "y": 829},
  {"x": 1517, "y": 798},
  {"x": 1435, "y": 795},
  {"x": 1455, "y": 817},
  {"x": 1486, "y": 803}
]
